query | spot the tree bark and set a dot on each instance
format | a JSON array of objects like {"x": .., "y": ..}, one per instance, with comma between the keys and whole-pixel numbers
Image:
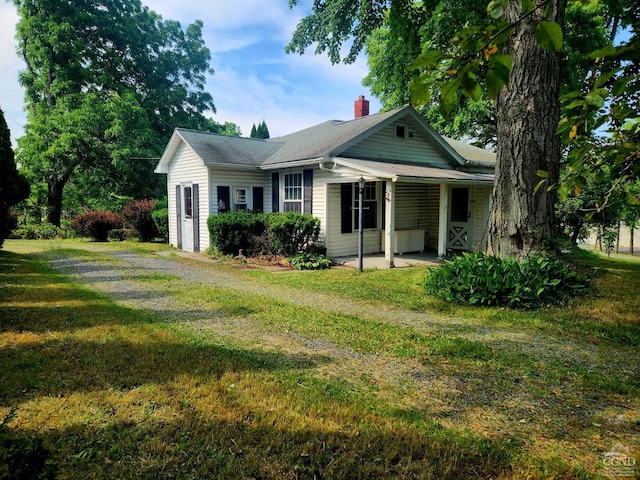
[
  {"x": 527, "y": 111},
  {"x": 54, "y": 199}
]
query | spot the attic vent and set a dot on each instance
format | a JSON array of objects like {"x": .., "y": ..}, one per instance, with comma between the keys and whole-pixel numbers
[{"x": 401, "y": 131}]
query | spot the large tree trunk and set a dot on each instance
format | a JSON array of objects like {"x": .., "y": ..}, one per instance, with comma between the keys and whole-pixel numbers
[
  {"x": 54, "y": 199},
  {"x": 527, "y": 112}
]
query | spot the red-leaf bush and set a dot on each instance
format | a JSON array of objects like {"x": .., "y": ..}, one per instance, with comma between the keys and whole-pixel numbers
[
  {"x": 96, "y": 224},
  {"x": 138, "y": 215}
]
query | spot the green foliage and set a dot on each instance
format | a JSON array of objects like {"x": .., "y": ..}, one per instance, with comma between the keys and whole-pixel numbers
[
  {"x": 292, "y": 233},
  {"x": 310, "y": 261},
  {"x": 232, "y": 232},
  {"x": 480, "y": 279},
  {"x": 23, "y": 457},
  {"x": 105, "y": 85},
  {"x": 138, "y": 214},
  {"x": 258, "y": 233},
  {"x": 13, "y": 186},
  {"x": 41, "y": 231},
  {"x": 261, "y": 131},
  {"x": 96, "y": 224},
  {"x": 161, "y": 220},
  {"x": 608, "y": 236},
  {"x": 8, "y": 222}
]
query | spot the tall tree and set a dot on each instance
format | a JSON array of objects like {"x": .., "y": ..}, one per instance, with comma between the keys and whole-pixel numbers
[
  {"x": 261, "y": 131},
  {"x": 527, "y": 114},
  {"x": 518, "y": 46},
  {"x": 422, "y": 26},
  {"x": 405, "y": 32},
  {"x": 82, "y": 54},
  {"x": 13, "y": 186}
]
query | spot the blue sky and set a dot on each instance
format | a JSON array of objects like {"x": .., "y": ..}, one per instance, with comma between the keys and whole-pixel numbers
[{"x": 254, "y": 79}]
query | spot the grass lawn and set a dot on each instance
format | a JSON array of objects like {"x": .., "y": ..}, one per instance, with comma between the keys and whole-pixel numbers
[{"x": 259, "y": 387}]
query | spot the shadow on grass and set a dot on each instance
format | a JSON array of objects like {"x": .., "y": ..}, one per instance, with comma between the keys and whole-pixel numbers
[
  {"x": 256, "y": 444},
  {"x": 68, "y": 365},
  {"x": 57, "y": 337}
]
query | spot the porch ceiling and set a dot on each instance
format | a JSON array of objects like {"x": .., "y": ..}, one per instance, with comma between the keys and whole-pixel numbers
[{"x": 412, "y": 173}]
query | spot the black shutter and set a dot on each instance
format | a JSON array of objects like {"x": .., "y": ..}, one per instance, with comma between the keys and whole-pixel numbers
[
  {"x": 307, "y": 181},
  {"x": 275, "y": 192},
  {"x": 384, "y": 205},
  {"x": 224, "y": 195},
  {"x": 258, "y": 199},
  {"x": 346, "y": 204},
  {"x": 179, "y": 216},
  {"x": 196, "y": 218}
]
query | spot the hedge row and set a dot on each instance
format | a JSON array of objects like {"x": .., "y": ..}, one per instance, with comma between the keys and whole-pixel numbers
[{"x": 254, "y": 234}]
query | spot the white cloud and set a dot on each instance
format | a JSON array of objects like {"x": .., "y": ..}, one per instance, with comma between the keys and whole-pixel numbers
[
  {"x": 11, "y": 94},
  {"x": 251, "y": 83}
]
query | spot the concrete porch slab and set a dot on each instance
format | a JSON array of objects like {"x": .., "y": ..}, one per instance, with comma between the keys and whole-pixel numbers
[{"x": 377, "y": 260}]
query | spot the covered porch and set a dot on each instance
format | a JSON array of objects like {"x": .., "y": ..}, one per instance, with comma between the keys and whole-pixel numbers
[{"x": 410, "y": 209}]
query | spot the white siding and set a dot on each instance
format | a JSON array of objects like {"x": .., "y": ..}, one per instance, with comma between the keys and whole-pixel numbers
[
  {"x": 480, "y": 211},
  {"x": 343, "y": 244},
  {"x": 417, "y": 208},
  {"x": 319, "y": 207},
  {"x": 186, "y": 167},
  {"x": 384, "y": 146},
  {"x": 241, "y": 178}
]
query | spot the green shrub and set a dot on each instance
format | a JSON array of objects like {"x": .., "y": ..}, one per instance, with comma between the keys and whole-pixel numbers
[
  {"x": 137, "y": 214},
  {"x": 8, "y": 221},
  {"x": 161, "y": 219},
  {"x": 43, "y": 231},
  {"x": 310, "y": 261},
  {"x": 479, "y": 279},
  {"x": 96, "y": 224},
  {"x": 234, "y": 231},
  {"x": 292, "y": 233}
]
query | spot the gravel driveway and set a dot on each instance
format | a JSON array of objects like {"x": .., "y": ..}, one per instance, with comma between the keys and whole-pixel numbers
[{"x": 120, "y": 280}]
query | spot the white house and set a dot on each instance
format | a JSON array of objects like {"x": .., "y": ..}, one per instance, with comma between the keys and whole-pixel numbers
[{"x": 422, "y": 190}]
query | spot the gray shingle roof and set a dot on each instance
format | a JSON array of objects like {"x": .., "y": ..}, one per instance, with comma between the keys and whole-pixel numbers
[
  {"x": 471, "y": 153},
  {"x": 216, "y": 149},
  {"x": 396, "y": 171},
  {"x": 328, "y": 138}
]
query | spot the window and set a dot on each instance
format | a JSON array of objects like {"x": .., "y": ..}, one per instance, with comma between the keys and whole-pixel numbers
[
  {"x": 401, "y": 131},
  {"x": 293, "y": 192},
  {"x": 240, "y": 198},
  {"x": 188, "y": 202},
  {"x": 459, "y": 204},
  {"x": 369, "y": 207}
]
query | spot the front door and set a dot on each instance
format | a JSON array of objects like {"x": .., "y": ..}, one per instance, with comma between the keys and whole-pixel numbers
[
  {"x": 187, "y": 217},
  {"x": 459, "y": 219}
]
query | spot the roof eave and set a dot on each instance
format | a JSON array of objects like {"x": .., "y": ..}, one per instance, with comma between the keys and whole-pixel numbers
[
  {"x": 292, "y": 164},
  {"x": 233, "y": 166},
  {"x": 170, "y": 150}
]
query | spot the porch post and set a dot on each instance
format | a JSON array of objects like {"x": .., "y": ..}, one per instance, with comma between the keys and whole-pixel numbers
[
  {"x": 443, "y": 218},
  {"x": 390, "y": 222}
]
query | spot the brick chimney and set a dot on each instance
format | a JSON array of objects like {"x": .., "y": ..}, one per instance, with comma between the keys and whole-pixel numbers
[{"x": 361, "y": 107}]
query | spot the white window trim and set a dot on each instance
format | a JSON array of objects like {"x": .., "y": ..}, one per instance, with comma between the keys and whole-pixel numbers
[
  {"x": 283, "y": 200},
  {"x": 354, "y": 206},
  {"x": 249, "y": 197},
  {"x": 395, "y": 130}
]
